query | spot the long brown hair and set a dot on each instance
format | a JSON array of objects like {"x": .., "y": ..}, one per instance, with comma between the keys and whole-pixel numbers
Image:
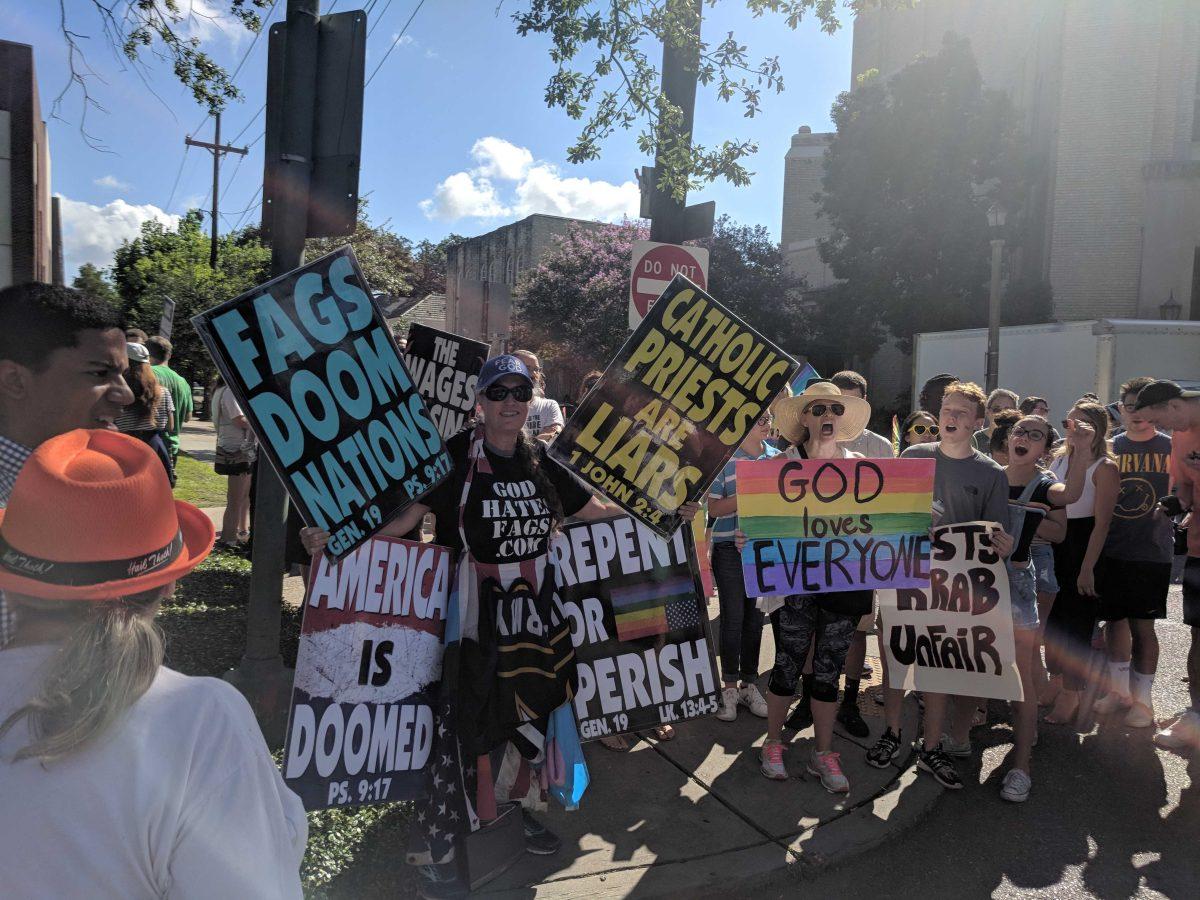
[{"x": 145, "y": 387}]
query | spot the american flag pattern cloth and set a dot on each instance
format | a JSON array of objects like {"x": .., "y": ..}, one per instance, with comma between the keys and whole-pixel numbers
[{"x": 12, "y": 459}]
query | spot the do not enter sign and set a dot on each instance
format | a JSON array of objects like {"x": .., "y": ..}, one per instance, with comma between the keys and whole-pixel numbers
[{"x": 654, "y": 265}]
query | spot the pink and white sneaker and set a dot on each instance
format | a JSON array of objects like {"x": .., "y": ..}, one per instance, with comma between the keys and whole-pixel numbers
[
  {"x": 772, "y": 761},
  {"x": 828, "y": 767}
]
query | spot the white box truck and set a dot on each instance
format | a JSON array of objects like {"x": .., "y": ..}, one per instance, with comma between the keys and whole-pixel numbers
[{"x": 1061, "y": 361}]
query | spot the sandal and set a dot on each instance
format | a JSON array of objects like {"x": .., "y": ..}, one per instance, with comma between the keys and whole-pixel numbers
[
  {"x": 664, "y": 732},
  {"x": 616, "y": 743}
]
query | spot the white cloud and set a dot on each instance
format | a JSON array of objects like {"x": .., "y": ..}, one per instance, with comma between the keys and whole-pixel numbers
[
  {"x": 110, "y": 181},
  {"x": 536, "y": 187},
  {"x": 402, "y": 41},
  {"x": 205, "y": 20},
  {"x": 93, "y": 233}
]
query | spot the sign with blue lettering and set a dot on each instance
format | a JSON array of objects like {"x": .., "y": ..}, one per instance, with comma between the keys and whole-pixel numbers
[{"x": 316, "y": 371}]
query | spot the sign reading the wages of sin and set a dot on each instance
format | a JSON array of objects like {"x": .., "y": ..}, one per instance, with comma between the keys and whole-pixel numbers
[
  {"x": 445, "y": 367},
  {"x": 314, "y": 368},
  {"x": 955, "y": 634},
  {"x": 361, "y": 726},
  {"x": 822, "y": 525},
  {"x": 682, "y": 393},
  {"x": 639, "y": 623}
]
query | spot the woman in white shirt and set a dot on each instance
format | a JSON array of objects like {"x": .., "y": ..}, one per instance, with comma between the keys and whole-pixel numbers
[{"x": 118, "y": 776}]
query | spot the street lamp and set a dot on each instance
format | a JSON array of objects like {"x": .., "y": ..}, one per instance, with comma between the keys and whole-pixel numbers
[
  {"x": 1171, "y": 309},
  {"x": 996, "y": 217}
]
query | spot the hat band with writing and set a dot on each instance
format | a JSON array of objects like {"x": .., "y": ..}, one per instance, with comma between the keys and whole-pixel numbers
[{"x": 81, "y": 574}]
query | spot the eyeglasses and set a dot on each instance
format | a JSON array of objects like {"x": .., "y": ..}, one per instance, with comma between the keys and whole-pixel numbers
[
  {"x": 998, "y": 409},
  {"x": 819, "y": 409},
  {"x": 922, "y": 429},
  {"x": 1034, "y": 434},
  {"x": 497, "y": 393}
]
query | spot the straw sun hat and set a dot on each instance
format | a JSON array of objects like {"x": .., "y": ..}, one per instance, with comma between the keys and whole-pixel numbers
[{"x": 849, "y": 426}]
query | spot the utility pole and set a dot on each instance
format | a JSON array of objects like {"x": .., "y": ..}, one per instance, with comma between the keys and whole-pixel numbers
[{"x": 217, "y": 149}]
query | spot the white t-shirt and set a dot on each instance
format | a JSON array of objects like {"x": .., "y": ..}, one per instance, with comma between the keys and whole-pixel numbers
[
  {"x": 230, "y": 437},
  {"x": 543, "y": 412},
  {"x": 180, "y": 799}
]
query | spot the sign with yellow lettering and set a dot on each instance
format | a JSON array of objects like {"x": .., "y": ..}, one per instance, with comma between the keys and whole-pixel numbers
[{"x": 673, "y": 406}]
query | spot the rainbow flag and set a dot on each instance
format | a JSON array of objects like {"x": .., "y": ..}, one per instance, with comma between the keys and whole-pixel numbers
[
  {"x": 823, "y": 525},
  {"x": 806, "y": 374},
  {"x": 644, "y": 610}
]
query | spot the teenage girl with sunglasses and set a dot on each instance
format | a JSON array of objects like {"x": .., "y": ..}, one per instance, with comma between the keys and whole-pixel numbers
[{"x": 919, "y": 427}]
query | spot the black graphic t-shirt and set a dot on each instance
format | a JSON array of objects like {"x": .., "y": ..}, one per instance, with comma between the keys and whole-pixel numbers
[
  {"x": 1139, "y": 532},
  {"x": 507, "y": 518}
]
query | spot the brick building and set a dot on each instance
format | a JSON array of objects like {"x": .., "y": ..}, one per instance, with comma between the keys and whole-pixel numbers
[
  {"x": 1109, "y": 93},
  {"x": 27, "y": 238}
]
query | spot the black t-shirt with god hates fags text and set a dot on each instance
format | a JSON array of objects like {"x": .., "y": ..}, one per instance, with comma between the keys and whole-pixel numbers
[{"x": 507, "y": 517}]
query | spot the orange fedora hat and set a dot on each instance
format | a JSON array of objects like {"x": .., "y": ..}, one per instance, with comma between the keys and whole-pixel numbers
[{"x": 92, "y": 517}]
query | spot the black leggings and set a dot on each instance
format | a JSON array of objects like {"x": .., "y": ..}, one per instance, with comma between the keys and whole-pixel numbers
[{"x": 1072, "y": 617}]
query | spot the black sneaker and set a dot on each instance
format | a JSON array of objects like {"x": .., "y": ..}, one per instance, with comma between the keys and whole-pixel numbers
[
  {"x": 851, "y": 719},
  {"x": 886, "y": 749},
  {"x": 441, "y": 882},
  {"x": 940, "y": 766},
  {"x": 539, "y": 840},
  {"x": 801, "y": 716}
]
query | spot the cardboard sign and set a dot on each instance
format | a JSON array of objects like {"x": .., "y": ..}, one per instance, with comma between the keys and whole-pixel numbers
[
  {"x": 639, "y": 624},
  {"x": 445, "y": 367},
  {"x": 955, "y": 635},
  {"x": 167, "y": 321},
  {"x": 315, "y": 369},
  {"x": 654, "y": 265},
  {"x": 361, "y": 725},
  {"x": 819, "y": 525},
  {"x": 673, "y": 406}
]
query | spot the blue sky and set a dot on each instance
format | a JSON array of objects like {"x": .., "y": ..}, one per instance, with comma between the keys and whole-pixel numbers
[{"x": 456, "y": 137}]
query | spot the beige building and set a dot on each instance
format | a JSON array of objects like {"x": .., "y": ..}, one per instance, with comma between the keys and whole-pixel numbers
[{"x": 1108, "y": 89}]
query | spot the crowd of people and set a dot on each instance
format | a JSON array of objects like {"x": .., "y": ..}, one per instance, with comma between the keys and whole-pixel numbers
[{"x": 153, "y": 783}]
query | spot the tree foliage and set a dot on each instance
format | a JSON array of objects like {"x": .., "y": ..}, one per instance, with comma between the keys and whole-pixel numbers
[
  {"x": 910, "y": 174},
  {"x": 386, "y": 258},
  {"x": 607, "y": 78},
  {"x": 92, "y": 281}
]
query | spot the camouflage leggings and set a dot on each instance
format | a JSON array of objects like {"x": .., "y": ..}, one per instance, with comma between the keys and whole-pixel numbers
[{"x": 801, "y": 622}]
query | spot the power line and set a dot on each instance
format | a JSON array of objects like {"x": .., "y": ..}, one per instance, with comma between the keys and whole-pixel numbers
[
  {"x": 175, "y": 186},
  {"x": 420, "y": 3},
  {"x": 379, "y": 18},
  {"x": 245, "y": 56}
]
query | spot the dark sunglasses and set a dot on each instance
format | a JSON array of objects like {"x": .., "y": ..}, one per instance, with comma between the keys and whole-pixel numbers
[
  {"x": 497, "y": 393},
  {"x": 819, "y": 409},
  {"x": 1034, "y": 434},
  {"x": 922, "y": 429},
  {"x": 765, "y": 421}
]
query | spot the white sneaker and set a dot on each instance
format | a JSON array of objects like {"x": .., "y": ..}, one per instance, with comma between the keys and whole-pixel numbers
[
  {"x": 1110, "y": 703},
  {"x": 1016, "y": 786},
  {"x": 1182, "y": 734},
  {"x": 729, "y": 702},
  {"x": 751, "y": 697},
  {"x": 1139, "y": 716}
]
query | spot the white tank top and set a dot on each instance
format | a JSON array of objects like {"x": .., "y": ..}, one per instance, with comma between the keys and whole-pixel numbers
[{"x": 1085, "y": 506}]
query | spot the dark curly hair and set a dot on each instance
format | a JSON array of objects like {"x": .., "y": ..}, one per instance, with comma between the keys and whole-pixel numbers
[{"x": 41, "y": 318}]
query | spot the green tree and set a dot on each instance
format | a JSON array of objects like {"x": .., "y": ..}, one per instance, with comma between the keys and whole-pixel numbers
[
  {"x": 910, "y": 174},
  {"x": 92, "y": 280},
  {"x": 162, "y": 263},
  {"x": 606, "y": 76},
  {"x": 430, "y": 276},
  {"x": 386, "y": 258}
]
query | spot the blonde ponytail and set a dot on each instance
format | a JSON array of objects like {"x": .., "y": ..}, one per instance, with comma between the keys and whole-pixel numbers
[{"x": 103, "y": 667}]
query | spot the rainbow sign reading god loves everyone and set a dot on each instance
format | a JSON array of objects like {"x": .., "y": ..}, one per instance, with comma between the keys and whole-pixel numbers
[{"x": 814, "y": 526}]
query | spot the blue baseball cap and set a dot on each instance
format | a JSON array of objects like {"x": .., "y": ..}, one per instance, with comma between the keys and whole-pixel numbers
[{"x": 499, "y": 366}]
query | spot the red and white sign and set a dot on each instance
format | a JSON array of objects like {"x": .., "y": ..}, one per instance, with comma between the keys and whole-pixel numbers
[{"x": 654, "y": 265}]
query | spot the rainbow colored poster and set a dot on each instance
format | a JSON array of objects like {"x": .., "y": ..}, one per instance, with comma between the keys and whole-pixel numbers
[{"x": 815, "y": 526}]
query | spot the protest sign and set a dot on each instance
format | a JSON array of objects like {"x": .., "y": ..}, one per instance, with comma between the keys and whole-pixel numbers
[
  {"x": 361, "y": 725},
  {"x": 819, "y": 525},
  {"x": 639, "y": 624},
  {"x": 444, "y": 367},
  {"x": 804, "y": 378},
  {"x": 954, "y": 635},
  {"x": 701, "y": 540},
  {"x": 316, "y": 371},
  {"x": 670, "y": 410}
]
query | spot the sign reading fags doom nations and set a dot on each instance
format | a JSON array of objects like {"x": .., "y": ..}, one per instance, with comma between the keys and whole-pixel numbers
[
  {"x": 314, "y": 367},
  {"x": 361, "y": 723},
  {"x": 639, "y": 623},
  {"x": 445, "y": 367},
  {"x": 954, "y": 635},
  {"x": 682, "y": 393}
]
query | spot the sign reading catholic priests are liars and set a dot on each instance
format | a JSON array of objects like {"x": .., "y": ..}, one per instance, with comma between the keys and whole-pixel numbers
[
  {"x": 314, "y": 368},
  {"x": 682, "y": 393}
]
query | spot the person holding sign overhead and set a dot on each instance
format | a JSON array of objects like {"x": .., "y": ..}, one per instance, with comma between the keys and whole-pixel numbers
[{"x": 814, "y": 422}]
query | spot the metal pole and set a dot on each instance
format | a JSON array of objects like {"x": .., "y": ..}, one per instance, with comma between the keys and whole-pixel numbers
[
  {"x": 679, "y": 72},
  {"x": 212, "y": 246},
  {"x": 993, "y": 338},
  {"x": 261, "y": 675}
]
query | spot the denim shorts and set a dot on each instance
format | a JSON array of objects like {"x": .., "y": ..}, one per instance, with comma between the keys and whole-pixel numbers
[
  {"x": 1042, "y": 556},
  {"x": 1023, "y": 588}
]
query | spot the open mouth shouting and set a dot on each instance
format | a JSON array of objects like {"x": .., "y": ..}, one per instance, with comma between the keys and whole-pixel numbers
[{"x": 826, "y": 429}]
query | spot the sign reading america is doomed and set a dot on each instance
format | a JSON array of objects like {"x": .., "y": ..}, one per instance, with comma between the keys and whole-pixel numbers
[
  {"x": 445, "y": 367},
  {"x": 673, "y": 406},
  {"x": 955, "y": 635},
  {"x": 814, "y": 526},
  {"x": 639, "y": 623},
  {"x": 315, "y": 369},
  {"x": 361, "y": 725}
]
